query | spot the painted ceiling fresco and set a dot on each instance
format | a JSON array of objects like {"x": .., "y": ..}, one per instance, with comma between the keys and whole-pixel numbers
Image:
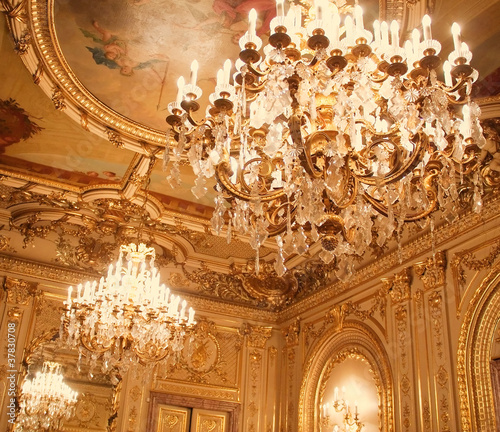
[
  {"x": 36, "y": 138},
  {"x": 130, "y": 54}
]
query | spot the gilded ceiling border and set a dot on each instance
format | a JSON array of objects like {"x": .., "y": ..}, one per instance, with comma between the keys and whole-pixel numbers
[
  {"x": 355, "y": 338},
  {"x": 63, "y": 276},
  {"x": 477, "y": 405}
]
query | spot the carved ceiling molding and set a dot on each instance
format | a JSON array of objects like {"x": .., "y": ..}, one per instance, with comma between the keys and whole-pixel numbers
[{"x": 410, "y": 252}]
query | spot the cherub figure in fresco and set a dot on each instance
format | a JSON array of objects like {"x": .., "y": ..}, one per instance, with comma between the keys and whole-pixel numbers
[
  {"x": 230, "y": 12},
  {"x": 112, "y": 52}
]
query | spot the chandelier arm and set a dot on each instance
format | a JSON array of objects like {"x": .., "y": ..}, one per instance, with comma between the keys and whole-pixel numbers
[
  {"x": 462, "y": 82},
  {"x": 256, "y": 88},
  {"x": 95, "y": 348},
  {"x": 412, "y": 161},
  {"x": 193, "y": 121},
  {"x": 256, "y": 72},
  {"x": 306, "y": 156},
  {"x": 433, "y": 168},
  {"x": 221, "y": 175},
  {"x": 374, "y": 79},
  {"x": 354, "y": 193},
  {"x": 271, "y": 217}
]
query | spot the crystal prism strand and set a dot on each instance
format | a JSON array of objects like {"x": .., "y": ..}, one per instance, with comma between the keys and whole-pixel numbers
[
  {"x": 219, "y": 211},
  {"x": 199, "y": 190},
  {"x": 166, "y": 152},
  {"x": 477, "y": 130},
  {"x": 279, "y": 264},
  {"x": 229, "y": 232},
  {"x": 477, "y": 204},
  {"x": 288, "y": 240},
  {"x": 300, "y": 241},
  {"x": 433, "y": 237}
]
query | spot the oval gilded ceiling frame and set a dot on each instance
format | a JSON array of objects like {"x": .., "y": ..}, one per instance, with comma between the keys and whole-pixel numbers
[
  {"x": 31, "y": 23},
  {"x": 355, "y": 339},
  {"x": 52, "y": 73}
]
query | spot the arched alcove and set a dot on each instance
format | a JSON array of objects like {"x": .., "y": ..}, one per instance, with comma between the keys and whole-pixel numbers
[
  {"x": 355, "y": 340},
  {"x": 474, "y": 355}
]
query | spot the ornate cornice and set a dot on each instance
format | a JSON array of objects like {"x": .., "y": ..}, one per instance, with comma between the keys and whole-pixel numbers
[{"x": 409, "y": 252}]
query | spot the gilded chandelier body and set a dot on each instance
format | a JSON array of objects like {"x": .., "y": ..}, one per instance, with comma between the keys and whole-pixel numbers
[{"x": 335, "y": 134}]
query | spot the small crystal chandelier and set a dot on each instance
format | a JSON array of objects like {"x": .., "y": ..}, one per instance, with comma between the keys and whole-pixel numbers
[
  {"x": 45, "y": 401},
  {"x": 335, "y": 133},
  {"x": 350, "y": 422},
  {"x": 127, "y": 317}
]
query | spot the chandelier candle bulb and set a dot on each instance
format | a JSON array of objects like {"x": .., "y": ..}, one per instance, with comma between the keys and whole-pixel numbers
[
  {"x": 183, "y": 310},
  {"x": 455, "y": 31},
  {"x": 358, "y": 16},
  {"x": 180, "y": 90},
  {"x": 194, "y": 72},
  {"x": 335, "y": 28},
  {"x": 336, "y": 394},
  {"x": 415, "y": 38},
  {"x": 70, "y": 291},
  {"x": 376, "y": 33},
  {"x": 280, "y": 8},
  {"x": 252, "y": 23},
  {"x": 319, "y": 6},
  {"x": 395, "y": 34},
  {"x": 447, "y": 73},
  {"x": 349, "y": 30},
  {"x": 191, "y": 317},
  {"x": 227, "y": 71},
  {"x": 426, "y": 25},
  {"x": 384, "y": 33},
  {"x": 409, "y": 52}
]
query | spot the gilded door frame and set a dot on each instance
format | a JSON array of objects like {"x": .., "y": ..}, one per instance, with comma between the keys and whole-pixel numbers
[
  {"x": 475, "y": 390},
  {"x": 158, "y": 398},
  {"x": 356, "y": 338}
]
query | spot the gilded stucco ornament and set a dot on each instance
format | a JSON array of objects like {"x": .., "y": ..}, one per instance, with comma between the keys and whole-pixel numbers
[
  {"x": 19, "y": 291},
  {"x": 432, "y": 271},
  {"x": 398, "y": 286}
]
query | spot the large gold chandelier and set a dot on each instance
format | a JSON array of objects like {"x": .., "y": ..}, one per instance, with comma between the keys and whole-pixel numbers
[
  {"x": 333, "y": 133},
  {"x": 45, "y": 401},
  {"x": 127, "y": 317}
]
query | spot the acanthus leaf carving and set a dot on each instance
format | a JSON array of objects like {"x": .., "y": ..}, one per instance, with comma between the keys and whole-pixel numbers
[{"x": 432, "y": 271}]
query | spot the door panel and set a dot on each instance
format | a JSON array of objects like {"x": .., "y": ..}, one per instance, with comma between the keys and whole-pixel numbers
[
  {"x": 209, "y": 421},
  {"x": 173, "y": 419}
]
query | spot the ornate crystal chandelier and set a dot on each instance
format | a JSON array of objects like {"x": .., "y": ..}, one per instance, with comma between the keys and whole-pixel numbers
[
  {"x": 335, "y": 133},
  {"x": 127, "y": 317},
  {"x": 45, "y": 401}
]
